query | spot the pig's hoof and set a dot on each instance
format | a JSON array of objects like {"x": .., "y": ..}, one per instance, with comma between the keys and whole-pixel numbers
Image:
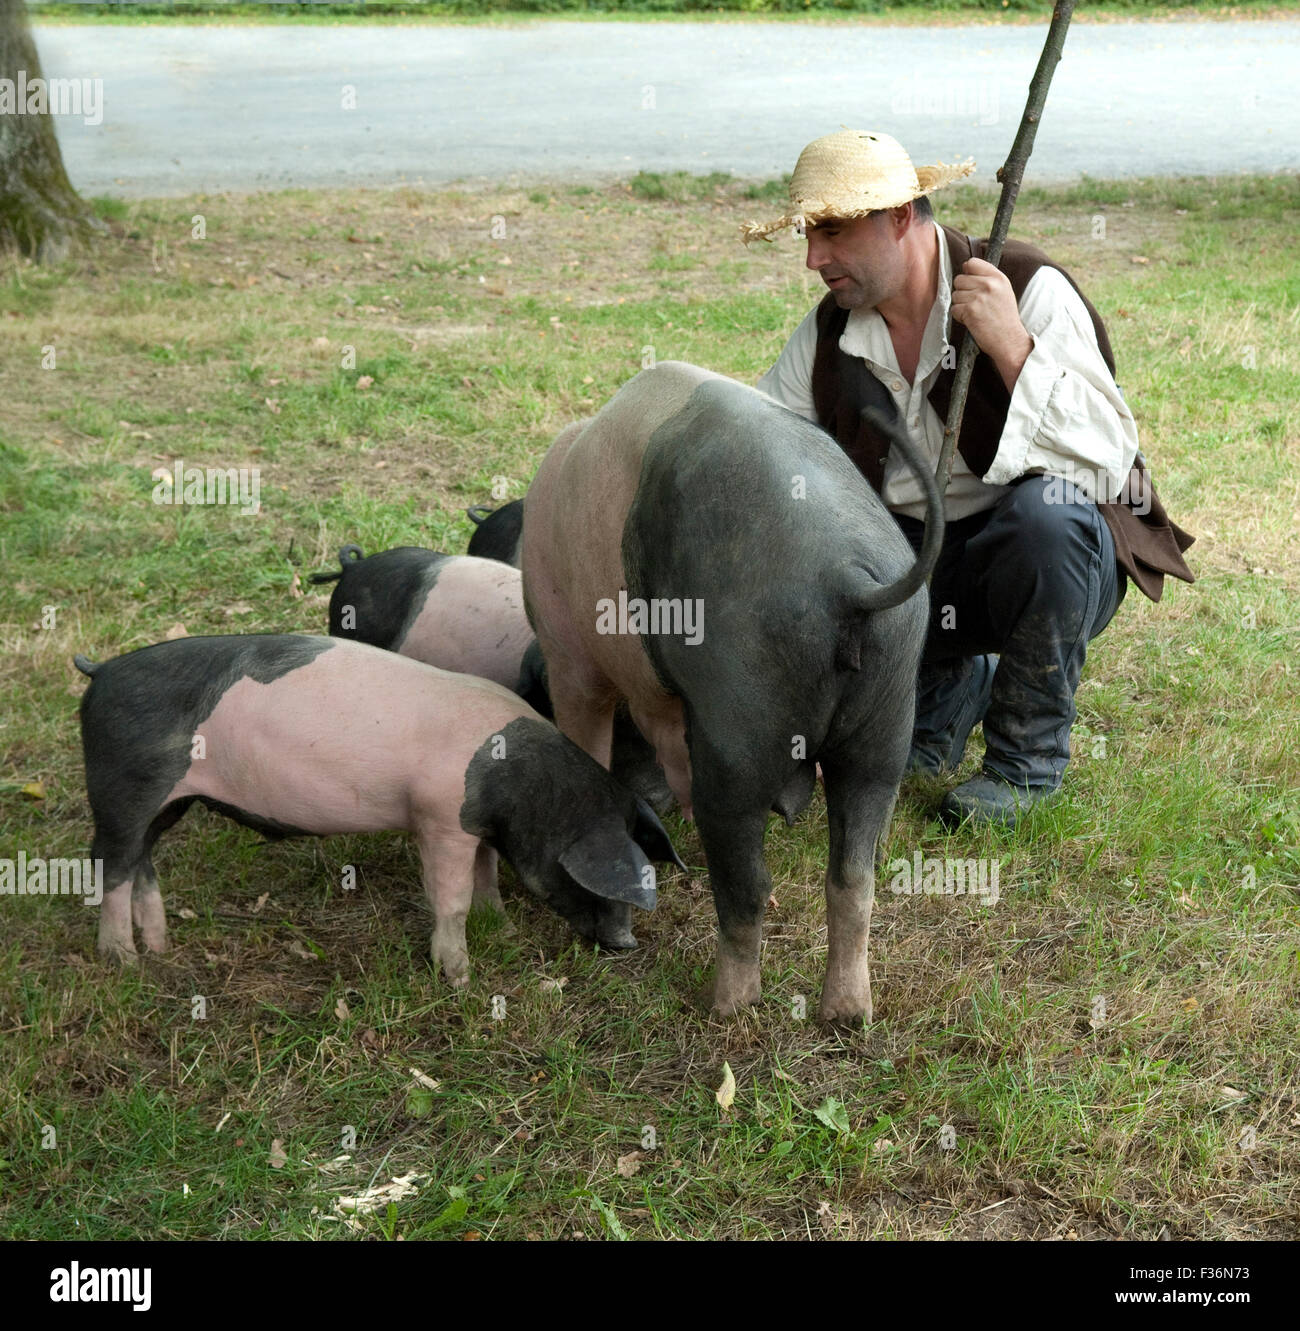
[
  {"x": 728, "y": 1000},
  {"x": 459, "y": 981},
  {"x": 617, "y": 940},
  {"x": 157, "y": 944},
  {"x": 118, "y": 954},
  {"x": 845, "y": 1011}
]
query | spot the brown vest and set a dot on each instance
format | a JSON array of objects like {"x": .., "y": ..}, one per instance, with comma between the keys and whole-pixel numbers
[{"x": 1147, "y": 545}]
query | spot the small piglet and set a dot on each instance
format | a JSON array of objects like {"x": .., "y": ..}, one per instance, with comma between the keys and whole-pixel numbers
[
  {"x": 298, "y": 735},
  {"x": 456, "y": 612}
]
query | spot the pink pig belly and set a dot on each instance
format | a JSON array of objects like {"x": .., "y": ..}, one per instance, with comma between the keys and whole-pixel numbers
[
  {"x": 357, "y": 740},
  {"x": 473, "y": 622}
]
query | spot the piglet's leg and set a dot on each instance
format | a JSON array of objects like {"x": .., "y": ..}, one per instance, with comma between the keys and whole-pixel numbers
[
  {"x": 147, "y": 908},
  {"x": 486, "y": 895},
  {"x": 447, "y": 865}
]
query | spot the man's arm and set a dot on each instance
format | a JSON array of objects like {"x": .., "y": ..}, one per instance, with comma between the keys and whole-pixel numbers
[
  {"x": 789, "y": 381},
  {"x": 1066, "y": 417}
]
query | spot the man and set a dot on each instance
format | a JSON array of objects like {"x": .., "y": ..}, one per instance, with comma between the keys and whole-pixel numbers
[{"x": 1049, "y": 509}]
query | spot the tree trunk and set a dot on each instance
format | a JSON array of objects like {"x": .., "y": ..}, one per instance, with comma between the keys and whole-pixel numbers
[{"x": 40, "y": 213}]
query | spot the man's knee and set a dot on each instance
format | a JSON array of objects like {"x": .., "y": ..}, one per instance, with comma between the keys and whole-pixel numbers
[
  {"x": 1043, "y": 528},
  {"x": 1043, "y": 511}
]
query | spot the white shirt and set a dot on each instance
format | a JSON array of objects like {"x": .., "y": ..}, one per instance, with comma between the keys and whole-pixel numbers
[{"x": 1066, "y": 416}]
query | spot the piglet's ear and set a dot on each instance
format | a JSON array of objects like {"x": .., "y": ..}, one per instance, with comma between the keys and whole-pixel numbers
[
  {"x": 609, "y": 865},
  {"x": 651, "y": 835}
]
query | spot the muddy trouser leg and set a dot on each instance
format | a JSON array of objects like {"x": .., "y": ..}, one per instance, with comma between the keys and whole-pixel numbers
[{"x": 1034, "y": 579}]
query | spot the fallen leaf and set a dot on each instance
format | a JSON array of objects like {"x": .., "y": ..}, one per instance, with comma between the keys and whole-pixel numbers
[
  {"x": 549, "y": 986},
  {"x": 628, "y": 1166},
  {"x": 726, "y": 1093},
  {"x": 422, "y": 1080},
  {"x": 1232, "y": 1093},
  {"x": 176, "y": 631},
  {"x": 240, "y": 609},
  {"x": 256, "y": 908},
  {"x": 273, "y": 405},
  {"x": 34, "y": 790},
  {"x": 366, "y": 381},
  {"x": 278, "y": 1158},
  {"x": 341, "y": 1009},
  {"x": 833, "y": 1114},
  {"x": 295, "y": 586},
  {"x": 1190, "y": 1005}
]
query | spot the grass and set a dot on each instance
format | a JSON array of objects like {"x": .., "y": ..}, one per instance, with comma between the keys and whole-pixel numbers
[{"x": 1164, "y": 884}]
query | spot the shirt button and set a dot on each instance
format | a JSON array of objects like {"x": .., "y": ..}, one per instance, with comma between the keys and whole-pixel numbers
[{"x": 897, "y": 385}]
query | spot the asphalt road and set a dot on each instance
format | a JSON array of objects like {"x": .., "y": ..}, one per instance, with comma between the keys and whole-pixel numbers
[{"x": 187, "y": 109}]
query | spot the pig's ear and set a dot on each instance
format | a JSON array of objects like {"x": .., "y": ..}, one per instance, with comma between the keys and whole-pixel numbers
[
  {"x": 608, "y": 865},
  {"x": 651, "y": 835}
]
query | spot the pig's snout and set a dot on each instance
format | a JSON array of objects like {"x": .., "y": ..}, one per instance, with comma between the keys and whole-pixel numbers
[{"x": 614, "y": 926}]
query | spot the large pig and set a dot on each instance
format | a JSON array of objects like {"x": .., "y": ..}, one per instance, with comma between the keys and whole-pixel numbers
[
  {"x": 313, "y": 736},
  {"x": 456, "y": 612},
  {"x": 791, "y": 620}
]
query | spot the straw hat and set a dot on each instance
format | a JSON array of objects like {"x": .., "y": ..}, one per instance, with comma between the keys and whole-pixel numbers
[{"x": 850, "y": 174}]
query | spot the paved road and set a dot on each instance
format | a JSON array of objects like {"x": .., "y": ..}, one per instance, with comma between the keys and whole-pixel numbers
[{"x": 196, "y": 108}]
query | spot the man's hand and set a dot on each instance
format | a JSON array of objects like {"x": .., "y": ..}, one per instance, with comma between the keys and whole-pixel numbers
[{"x": 982, "y": 299}]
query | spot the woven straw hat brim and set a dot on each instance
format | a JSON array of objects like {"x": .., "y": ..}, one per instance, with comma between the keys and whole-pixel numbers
[{"x": 835, "y": 194}]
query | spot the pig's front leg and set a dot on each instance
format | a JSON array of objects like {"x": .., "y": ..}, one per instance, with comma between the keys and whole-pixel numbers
[
  {"x": 147, "y": 909},
  {"x": 582, "y": 700},
  {"x": 447, "y": 866},
  {"x": 486, "y": 894}
]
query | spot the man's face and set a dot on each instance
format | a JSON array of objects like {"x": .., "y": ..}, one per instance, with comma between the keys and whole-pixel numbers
[{"x": 861, "y": 261}]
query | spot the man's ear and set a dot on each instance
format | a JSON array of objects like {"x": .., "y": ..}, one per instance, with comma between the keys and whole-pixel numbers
[{"x": 651, "y": 835}]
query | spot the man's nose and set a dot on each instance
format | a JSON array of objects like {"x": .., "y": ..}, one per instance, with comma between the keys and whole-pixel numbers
[{"x": 817, "y": 256}]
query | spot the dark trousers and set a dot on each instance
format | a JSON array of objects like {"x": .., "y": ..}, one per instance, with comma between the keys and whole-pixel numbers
[{"x": 1032, "y": 580}]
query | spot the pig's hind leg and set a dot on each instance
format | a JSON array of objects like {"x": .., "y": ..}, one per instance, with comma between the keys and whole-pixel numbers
[
  {"x": 448, "y": 869},
  {"x": 859, "y": 804},
  {"x": 132, "y": 892}
]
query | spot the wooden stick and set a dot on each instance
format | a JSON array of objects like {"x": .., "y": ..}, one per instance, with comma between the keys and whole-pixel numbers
[{"x": 1010, "y": 174}]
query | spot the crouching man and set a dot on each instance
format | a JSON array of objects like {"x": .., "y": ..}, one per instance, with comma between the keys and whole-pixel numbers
[{"x": 1050, "y": 511}]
